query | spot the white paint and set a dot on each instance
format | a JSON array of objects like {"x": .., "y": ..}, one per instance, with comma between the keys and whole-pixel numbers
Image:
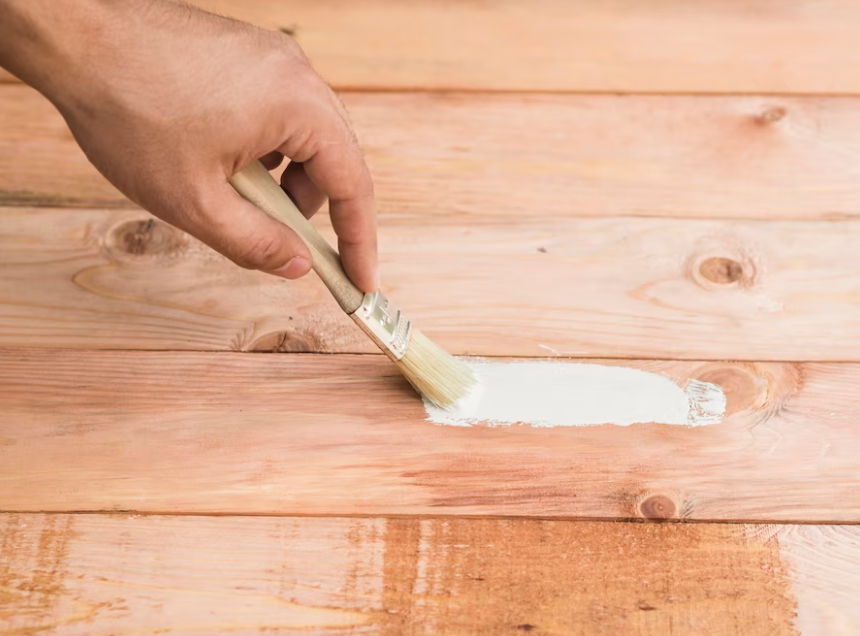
[{"x": 548, "y": 394}]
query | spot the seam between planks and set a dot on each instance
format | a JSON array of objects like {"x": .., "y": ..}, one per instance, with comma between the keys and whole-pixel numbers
[
  {"x": 359, "y": 354},
  {"x": 322, "y": 515}
]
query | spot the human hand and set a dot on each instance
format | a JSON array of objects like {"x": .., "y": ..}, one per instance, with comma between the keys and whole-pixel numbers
[{"x": 168, "y": 102}]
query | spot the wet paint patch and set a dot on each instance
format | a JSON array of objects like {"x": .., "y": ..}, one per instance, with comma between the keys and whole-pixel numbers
[{"x": 549, "y": 394}]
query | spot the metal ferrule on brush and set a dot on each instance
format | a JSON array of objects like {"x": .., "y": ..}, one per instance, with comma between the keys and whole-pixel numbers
[{"x": 386, "y": 322}]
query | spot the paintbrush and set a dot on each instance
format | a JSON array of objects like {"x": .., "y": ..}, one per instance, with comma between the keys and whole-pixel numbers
[{"x": 436, "y": 375}]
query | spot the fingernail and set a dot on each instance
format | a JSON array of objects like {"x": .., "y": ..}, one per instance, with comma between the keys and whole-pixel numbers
[{"x": 296, "y": 267}]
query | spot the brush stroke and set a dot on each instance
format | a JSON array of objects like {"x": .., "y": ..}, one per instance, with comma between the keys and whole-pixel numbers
[{"x": 548, "y": 394}]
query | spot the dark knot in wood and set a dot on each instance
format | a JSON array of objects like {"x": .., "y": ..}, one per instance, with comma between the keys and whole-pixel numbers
[
  {"x": 657, "y": 507},
  {"x": 772, "y": 115},
  {"x": 722, "y": 271},
  {"x": 145, "y": 238},
  {"x": 298, "y": 341},
  {"x": 743, "y": 388}
]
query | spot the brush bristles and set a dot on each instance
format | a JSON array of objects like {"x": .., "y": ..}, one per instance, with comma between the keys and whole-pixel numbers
[{"x": 436, "y": 374}]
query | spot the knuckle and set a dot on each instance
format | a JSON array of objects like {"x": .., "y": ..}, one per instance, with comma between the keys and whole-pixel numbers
[
  {"x": 367, "y": 189},
  {"x": 259, "y": 252},
  {"x": 302, "y": 75},
  {"x": 293, "y": 50},
  {"x": 302, "y": 144},
  {"x": 361, "y": 186}
]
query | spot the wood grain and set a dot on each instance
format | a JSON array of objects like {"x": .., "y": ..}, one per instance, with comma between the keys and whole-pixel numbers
[
  {"x": 92, "y": 284},
  {"x": 239, "y": 433},
  {"x": 826, "y": 565},
  {"x": 518, "y": 156},
  {"x": 803, "y": 46},
  {"x": 40, "y": 162},
  {"x": 86, "y": 574},
  {"x": 616, "y": 287}
]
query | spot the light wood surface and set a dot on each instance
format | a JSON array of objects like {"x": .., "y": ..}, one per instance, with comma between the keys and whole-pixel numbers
[
  {"x": 803, "y": 46},
  {"x": 600, "y": 155},
  {"x": 527, "y": 209},
  {"x": 100, "y": 574},
  {"x": 518, "y": 156},
  {"x": 197, "y": 300},
  {"x": 615, "y": 287},
  {"x": 560, "y": 45},
  {"x": 240, "y": 433}
]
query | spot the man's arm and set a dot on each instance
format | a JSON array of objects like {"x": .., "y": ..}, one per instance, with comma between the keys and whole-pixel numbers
[{"x": 168, "y": 102}]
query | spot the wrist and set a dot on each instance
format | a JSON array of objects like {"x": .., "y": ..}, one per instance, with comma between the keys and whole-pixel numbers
[{"x": 49, "y": 44}]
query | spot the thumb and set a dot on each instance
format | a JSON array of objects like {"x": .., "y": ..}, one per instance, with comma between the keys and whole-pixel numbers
[{"x": 248, "y": 236}]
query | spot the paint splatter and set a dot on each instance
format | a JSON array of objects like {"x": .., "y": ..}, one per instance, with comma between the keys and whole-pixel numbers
[{"x": 548, "y": 394}]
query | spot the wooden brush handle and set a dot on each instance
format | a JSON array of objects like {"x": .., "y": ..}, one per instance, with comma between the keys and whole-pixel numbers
[{"x": 257, "y": 185}]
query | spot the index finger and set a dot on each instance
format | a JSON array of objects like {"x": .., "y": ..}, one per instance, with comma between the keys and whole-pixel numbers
[{"x": 333, "y": 161}]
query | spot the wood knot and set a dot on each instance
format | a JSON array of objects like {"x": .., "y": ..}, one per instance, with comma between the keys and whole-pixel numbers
[
  {"x": 744, "y": 390},
  {"x": 287, "y": 342},
  {"x": 658, "y": 508},
  {"x": 145, "y": 238},
  {"x": 771, "y": 115},
  {"x": 722, "y": 271}
]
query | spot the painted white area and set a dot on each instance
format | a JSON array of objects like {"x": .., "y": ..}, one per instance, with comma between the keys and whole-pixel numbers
[{"x": 548, "y": 394}]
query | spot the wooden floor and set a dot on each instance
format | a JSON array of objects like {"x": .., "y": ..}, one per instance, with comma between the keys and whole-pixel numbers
[{"x": 191, "y": 448}]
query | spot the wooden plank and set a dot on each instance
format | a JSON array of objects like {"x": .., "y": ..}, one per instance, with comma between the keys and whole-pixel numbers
[
  {"x": 92, "y": 284},
  {"x": 803, "y": 46},
  {"x": 239, "y": 433},
  {"x": 616, "y": 287},
  {"x": 806, "y": 46},
  {"x": 86, "y": 574},
  {"x": 40, "y": 162},
  {"x": 515, "y": 156},
  {"x": 590, "y": 155}
]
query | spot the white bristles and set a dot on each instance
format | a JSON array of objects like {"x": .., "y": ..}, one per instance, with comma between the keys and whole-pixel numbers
[{"x": 436, "y": 374}]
